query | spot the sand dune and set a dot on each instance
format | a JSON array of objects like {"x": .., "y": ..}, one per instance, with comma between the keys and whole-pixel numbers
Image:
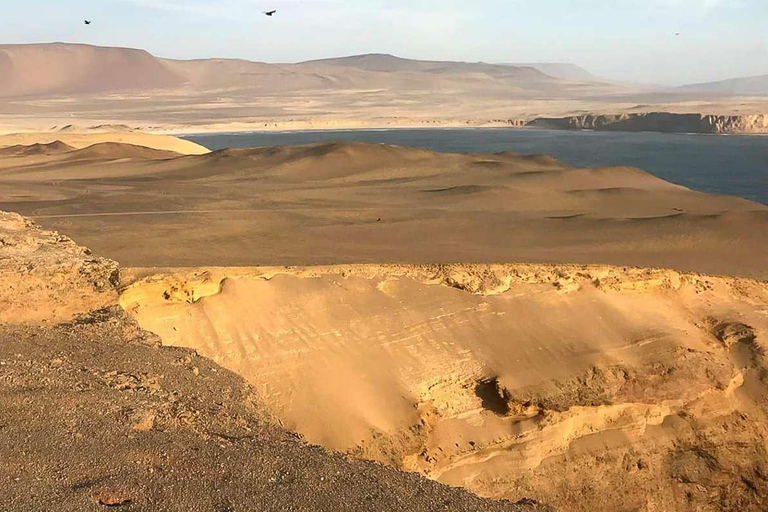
[
  {"x": 321, "y": 204},
  {"x": 52, "y": 148},
  {"x": 119, "y": 150},
  {"x": 80, "y": 138}
]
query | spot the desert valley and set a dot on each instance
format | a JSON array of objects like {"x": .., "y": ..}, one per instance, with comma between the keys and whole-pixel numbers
[{"x": 366, "y": 326}]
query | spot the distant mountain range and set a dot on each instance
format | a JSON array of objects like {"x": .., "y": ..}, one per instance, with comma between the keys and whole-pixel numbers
[
  {"x": 93, "y": 85},
  {"x": 561, "y": 70},
  {"x": 73, "y": 69},
  {"x": 747, "y": 86}
]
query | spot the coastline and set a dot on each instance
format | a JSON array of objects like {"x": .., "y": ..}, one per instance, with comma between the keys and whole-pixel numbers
[
  {"x": 652, "y": 122},
  {"x": 693, "y": 164},
  {"x": 375, "y": 128}
]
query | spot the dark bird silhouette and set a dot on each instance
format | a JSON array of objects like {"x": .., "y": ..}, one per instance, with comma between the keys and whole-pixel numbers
[
  {"x": 87, "y": 22},
  {"x": 270, "y": 13},
  {"x": 677, "y": 33}
]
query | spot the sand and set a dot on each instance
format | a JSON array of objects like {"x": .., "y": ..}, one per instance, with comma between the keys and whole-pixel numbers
[
  {"x": 321, "y": 204},
  {"x": 80, "y": 138},
  {"x": 94, "y": 413},
  {"x": 584, "y": 387},
  {"x": 615, "y": 361}
]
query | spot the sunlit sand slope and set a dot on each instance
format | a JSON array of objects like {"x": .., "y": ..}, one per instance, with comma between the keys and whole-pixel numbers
[
  {"x": 629, "y": 388},
  {"x": 80, "y": 139}
]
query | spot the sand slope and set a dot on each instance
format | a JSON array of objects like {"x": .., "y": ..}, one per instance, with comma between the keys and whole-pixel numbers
[
  {"x": 590, "y": 388},
  {"x": 79, "y": 138},
  {"x": 52, "y": 148},
  {"x": 321, "y": 204}
]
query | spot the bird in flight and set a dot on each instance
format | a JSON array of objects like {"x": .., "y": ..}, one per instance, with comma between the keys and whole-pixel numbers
[
  {"x": 87, "y": 22},
  {"x": 270, "y": 13}
]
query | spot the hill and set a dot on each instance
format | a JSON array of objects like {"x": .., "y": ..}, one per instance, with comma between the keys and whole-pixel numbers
[
  {"x": 119, "y": 150},
  {"x": 561, "y": 70},
  {"x": 327, "y": 198},
  {"x": 57, "y": 68},
  {"x": 73, "y": 69},
  {"x": 385, "y": 63},
  {"x": 115, "y": 86},
  {"x": 747, "y": 86},
  {"x": 79, "y": 138},
  {"x": 578, "y": 380},
  {"x": 52, "y": 148}
]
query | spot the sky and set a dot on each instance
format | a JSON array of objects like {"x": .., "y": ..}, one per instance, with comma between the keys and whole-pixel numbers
[{"x": 629, "y": 40}]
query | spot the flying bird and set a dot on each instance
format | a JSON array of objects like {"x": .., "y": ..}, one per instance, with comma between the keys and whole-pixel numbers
[
  {"x": 87, "y": 22},
  {"x": 270, "y": 13}
]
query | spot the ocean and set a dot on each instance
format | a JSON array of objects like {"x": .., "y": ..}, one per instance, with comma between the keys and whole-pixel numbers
[{"x": 718, "y": 164}]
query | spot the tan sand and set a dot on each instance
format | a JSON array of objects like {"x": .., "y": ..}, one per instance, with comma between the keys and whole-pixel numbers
[
  {"x": 589, "y": 387},
  {"x": 586, "y": 387},
  {"x": 321, "y": 204},
  {"x": 95, "y": 414},
  {"x": 82, "y": 138}
]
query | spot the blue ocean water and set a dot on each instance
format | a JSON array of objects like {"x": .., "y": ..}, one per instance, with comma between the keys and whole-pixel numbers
[{"x": 732, "y": 165}]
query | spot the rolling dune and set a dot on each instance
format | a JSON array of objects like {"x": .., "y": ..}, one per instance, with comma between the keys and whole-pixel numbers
[
  {"x": 80, "y": 138},
  {"x": 52, "y": 148},
  {"x": 373, "y": 203}
]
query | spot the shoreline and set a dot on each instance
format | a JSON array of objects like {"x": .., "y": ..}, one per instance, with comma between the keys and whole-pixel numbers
[
  {"x": 184, "y": 134},
  {"x": 621, "y": 120},
  {"x": 671, "y": 123}
]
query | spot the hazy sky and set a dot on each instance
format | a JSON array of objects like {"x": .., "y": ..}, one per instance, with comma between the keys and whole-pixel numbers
[{"x": 622, "y": 39}]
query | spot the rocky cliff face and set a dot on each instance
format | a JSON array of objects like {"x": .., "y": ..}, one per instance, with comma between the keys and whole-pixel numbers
[{"x": 660, "y": 122}]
